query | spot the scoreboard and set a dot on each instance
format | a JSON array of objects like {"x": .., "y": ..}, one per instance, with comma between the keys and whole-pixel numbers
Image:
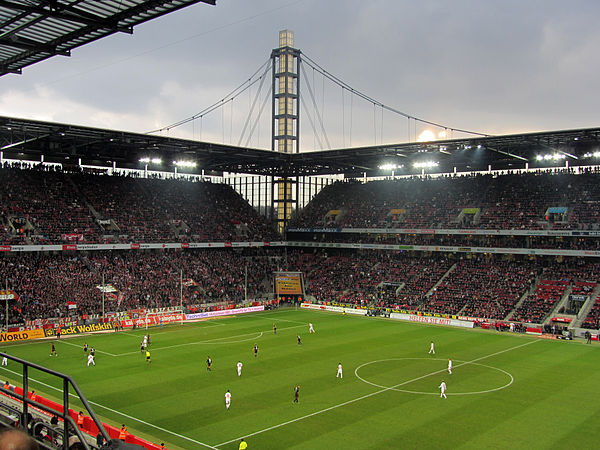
[{"x": 289, "y": 283}]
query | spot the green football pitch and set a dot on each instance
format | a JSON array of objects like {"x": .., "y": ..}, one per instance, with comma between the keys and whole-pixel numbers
[{"x": 506, "y": 390}]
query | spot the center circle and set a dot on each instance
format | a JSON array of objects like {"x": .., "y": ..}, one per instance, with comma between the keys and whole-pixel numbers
[{"x": 457, "y": 365}]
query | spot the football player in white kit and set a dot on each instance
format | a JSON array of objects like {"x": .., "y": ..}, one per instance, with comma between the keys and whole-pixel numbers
[
  {"x": 227, "y": 399},
  {"x": 443, "y": 390},
  {"x": 239, "y": 368}
]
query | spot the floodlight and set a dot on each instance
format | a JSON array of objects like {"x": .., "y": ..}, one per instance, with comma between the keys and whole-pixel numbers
[
  {"x": 425, "y": 164},
  {"x": 426, "y": 136},
  {"x": 182, "y": 163}
]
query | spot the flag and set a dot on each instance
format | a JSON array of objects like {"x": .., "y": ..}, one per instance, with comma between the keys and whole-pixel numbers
[{"x": 120, "y": 298}]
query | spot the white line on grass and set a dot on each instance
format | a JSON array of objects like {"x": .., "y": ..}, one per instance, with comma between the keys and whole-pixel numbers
[
  {"x": 255, "y": 335},
  {"x": 512, "y": 379},
  {"x": 279, "y": 320},
  {"x": 118, "y": 412},
  {"x": 368, "y": 395},
  {"x": 99, "y": 351}
]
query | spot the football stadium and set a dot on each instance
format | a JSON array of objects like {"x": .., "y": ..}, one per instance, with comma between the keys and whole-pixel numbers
[{"x": 441, "y": 291}]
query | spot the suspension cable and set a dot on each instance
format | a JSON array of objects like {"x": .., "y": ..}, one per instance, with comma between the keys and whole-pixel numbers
[{"x": 346, "y": 86}]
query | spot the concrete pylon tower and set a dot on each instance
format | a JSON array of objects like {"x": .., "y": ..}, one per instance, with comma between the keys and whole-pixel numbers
[
  {"x": 285, "y": 120},
  {"x": 286, "y": 101}
]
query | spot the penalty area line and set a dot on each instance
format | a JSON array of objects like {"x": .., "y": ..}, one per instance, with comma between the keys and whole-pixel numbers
[
  {"x": 348, "y": 402},
  {"x": 227, "y": 339}
]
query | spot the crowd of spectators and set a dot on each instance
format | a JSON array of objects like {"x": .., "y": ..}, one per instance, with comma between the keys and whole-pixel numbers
[
  {"x": 554, "y": 280},
  {"x": 41, "y": 206},
  {"x": 481, "y": 287},
  {"x": 487, "y": 287},
  {"x": 47, "y": 283},
  {"x": 503, "y": 202},
  {"x": 49, "y": 206}
]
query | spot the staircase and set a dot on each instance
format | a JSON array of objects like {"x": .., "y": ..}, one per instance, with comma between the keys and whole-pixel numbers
[
  {"x": 530, "y": 291},
  {"x": 585, "y": 309},
  {"x": 562, "y": 302}
]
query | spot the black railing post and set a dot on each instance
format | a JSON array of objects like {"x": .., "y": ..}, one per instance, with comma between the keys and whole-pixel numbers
[
  {"x": 65, "y": 413},
  {"x": 25, "y": 395}
]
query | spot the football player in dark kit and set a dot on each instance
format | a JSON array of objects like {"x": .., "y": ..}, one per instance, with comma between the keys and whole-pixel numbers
[{"x": 296, "y": 393}]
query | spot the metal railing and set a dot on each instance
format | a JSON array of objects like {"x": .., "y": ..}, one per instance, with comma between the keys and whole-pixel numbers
[{"x": 64, "y": 415}]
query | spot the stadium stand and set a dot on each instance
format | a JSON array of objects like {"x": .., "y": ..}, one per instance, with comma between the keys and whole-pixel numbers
[
  {"x": 491, "y": 202},
  {"x": 49, "y": 206},
  {"x": 44, "y": 205}
]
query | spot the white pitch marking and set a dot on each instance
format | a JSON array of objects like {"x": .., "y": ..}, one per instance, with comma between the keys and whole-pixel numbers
[
  {"x": 99, "y": 351},
  {"x": 512, "y": 379},
  {"x": 363, "y": 397},
  {"x": 118, "y": 412}
]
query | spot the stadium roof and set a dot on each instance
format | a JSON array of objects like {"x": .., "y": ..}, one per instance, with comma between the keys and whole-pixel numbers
[
  {"x": 35, "y": 30},
  {"x": 63, "y": 143}
]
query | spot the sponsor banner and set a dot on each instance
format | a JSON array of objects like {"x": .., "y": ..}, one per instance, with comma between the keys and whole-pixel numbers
[
  {"x": 152, "y": 320},
  {"x": 426, "y": 248},
  {"x": 78, "y": 329},
  {"x": 359, "y": 312},
  {"x": 531, "y": 330},
  {"x": 430, "y": 320},
  {"x": 224, "y": 312},
  {"x": 21, "y": 335},
  {"x": 5, "y": 248},
  {"x": 88, "y": 246},
  {"x": 313, "y": 306}
]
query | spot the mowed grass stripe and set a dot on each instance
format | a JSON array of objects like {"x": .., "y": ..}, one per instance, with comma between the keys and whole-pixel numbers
[{"x": 178, "y": 394}]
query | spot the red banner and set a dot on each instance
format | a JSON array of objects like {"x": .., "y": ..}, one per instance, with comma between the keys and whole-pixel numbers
[{"x": 152, "y": 320}]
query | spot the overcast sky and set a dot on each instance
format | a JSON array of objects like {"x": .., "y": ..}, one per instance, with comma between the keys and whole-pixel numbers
[{"x": 494, "y": 67}]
